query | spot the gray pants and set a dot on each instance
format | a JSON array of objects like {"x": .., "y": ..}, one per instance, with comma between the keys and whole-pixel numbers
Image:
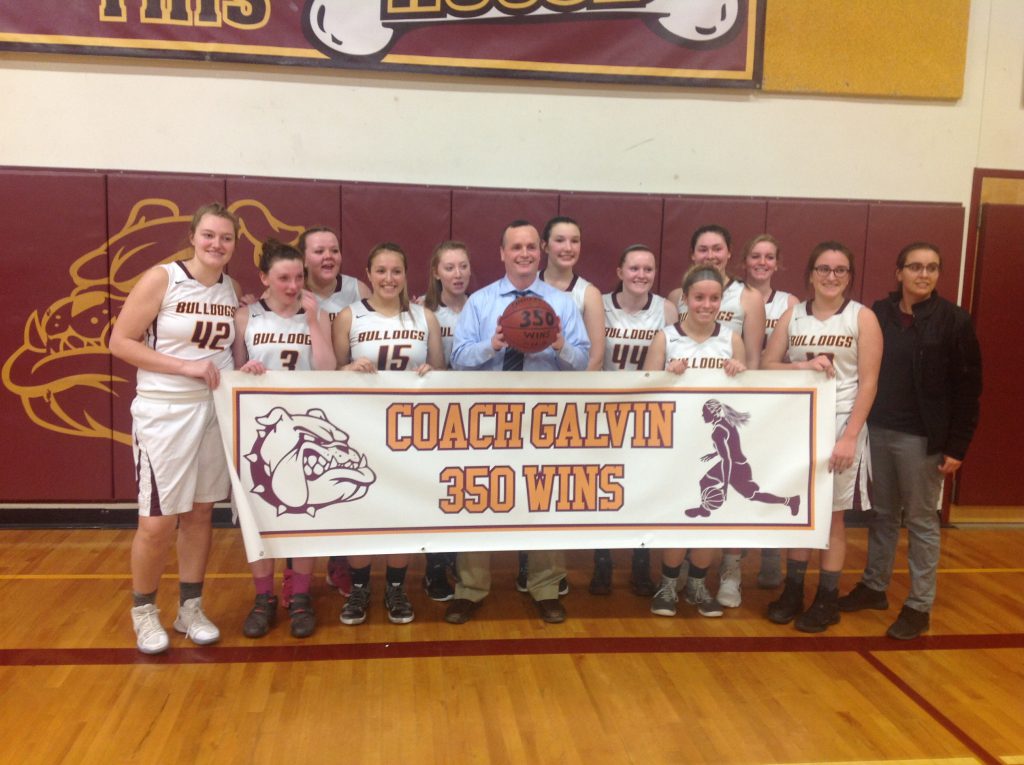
[
  {"x": 906, "y": 484},
  {"x": 545, "y": 568}
]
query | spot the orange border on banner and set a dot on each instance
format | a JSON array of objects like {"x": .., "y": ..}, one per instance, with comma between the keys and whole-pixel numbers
[{"x": 145, "y": 44}]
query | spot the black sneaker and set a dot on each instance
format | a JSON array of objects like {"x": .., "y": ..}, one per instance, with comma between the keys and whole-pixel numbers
[
  {"x": 910, "y": 624},
  {"x": 823, "y": 613},
  {"x": 640, "y": 582},
  {"x": 522, "y": 575},
  {"x": 563, "y": 587},
  {"x": 435, "y": 582},
  {"x": 301, "y": 612},
  {"x": 788, "y": 605},
  {"x": 862, "y": 597},
  {"x": 354, "y": 611},
  {"x": 398, "y": 605},
  {"x": 601, "y": 581},
  {"x": 262, "y": 617}
]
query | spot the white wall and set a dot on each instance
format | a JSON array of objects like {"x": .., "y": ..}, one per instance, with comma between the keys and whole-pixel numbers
[{"x": 122, "y": 114}]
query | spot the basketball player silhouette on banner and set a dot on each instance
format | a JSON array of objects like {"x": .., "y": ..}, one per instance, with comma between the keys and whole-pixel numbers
[{"x": 732, "y": 468}]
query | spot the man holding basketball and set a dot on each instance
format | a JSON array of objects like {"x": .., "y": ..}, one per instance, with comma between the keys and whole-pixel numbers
[{"x": 480, "y": 344}]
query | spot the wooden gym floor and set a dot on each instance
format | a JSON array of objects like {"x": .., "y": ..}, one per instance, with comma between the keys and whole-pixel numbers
[{"x": 613, "y": 684}]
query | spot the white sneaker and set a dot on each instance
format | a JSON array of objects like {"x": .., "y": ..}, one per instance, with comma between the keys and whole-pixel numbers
[
  {"x": 195, "y": 624},
  {"x": 729, "y": 579},
  {"x": 150, "y": 636}
]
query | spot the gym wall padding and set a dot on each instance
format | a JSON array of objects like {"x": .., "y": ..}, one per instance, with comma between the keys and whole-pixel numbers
[{"x": 75, "y": 243}]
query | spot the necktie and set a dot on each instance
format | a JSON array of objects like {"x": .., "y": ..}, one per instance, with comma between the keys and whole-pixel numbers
[{"x": 513, "y": 361}]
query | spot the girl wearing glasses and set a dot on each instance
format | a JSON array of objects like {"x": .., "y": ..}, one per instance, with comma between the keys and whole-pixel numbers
[
  {"x": 921, "y": 424},
  {"x": 832, "y": 334}
]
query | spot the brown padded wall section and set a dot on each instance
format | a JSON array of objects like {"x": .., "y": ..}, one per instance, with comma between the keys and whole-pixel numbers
[
  {"x": 58, "y": 365},
  {"x": 893, "y": 225},
  {"x": 148, "y": 217},
  {"x": 743, "y": 217},
  {"x": 480, "y": 215},
  {"x": 278, "y": 209},
  {"x": 610, "y": 223},
  {"x": 801, "y": 224},
  {"x": 416, "y": 218}
]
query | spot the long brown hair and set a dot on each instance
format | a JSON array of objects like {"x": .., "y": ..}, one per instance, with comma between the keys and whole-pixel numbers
[{"x": 432, "y": 299}]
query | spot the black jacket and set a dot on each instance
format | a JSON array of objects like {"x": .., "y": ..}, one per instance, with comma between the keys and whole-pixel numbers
[{"x": 947, "y": 370}]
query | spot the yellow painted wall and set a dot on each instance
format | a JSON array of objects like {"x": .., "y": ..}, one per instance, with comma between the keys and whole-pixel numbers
[{"x": 888, "y": 48}]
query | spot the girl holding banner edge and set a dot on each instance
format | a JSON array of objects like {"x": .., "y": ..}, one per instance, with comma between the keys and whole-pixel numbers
[
  {"x": 832, "y": 334},
  {"x": 633, "y": 315},
  {"x": 386, "y": 310},
  {"x": 287, "y": 310},
  {"x": 697, "y": 337}
]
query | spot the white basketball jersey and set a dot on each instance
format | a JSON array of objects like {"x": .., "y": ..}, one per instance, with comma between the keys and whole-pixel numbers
[
  {"x": 447, "y": 318},
  {"x": 777, "y": 304},
  {"x": 346, "y": 292},
  {"x": 195, "y": 323},
  {"x": 710, "y": 354},
  {"x": 390, "y": 342},
  {"x": 278, "y": 342},
  {"x": 628, "y": 335},
  {"x": 836, "y": 337},
  {"x": 577, "y": 290},
  {"x": 730, "y": 310}
]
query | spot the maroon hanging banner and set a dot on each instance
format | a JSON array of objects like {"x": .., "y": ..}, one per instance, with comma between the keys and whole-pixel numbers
[{"x": 709, "y": 43}]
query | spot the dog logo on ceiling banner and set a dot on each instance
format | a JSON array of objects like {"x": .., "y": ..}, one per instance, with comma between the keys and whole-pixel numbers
[{"x": 302, "y": 462}]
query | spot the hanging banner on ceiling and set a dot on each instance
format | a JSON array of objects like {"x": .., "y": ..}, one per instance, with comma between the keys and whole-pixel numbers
[
  {"x": 342, "y": 463},
  {"x": 710, "y": 43}
]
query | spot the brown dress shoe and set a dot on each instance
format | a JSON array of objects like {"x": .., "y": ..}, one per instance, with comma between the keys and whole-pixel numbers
[
  {"x": 460, "y": 611},
  {"x": 551, "y": 611}
]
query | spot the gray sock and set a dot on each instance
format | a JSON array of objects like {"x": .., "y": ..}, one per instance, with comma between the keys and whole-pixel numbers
[
  {"x": 189, "y": 590},
  {"x": 796, "y": 570},
  {"x": 143, "y": 599},
  {"x": 829, "y": 580}
]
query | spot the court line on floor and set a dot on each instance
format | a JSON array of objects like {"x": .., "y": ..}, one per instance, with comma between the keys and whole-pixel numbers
[
  {"x": 931, "y": 710},
  {"x": 444, "y": 649}
]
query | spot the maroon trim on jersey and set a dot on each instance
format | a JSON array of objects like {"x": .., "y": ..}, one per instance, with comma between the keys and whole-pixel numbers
[
  {"x": 810, "y": 308},
  {"x": 337, "y": 284},
  {"x": 268, "y": 309},
  {"x": 575, "y": 278},
  {"x": 181, "y": 265},
  {"x": 771, "y": 297},
  {"x": 715, "y": 333},
  {"x": 647, "y": 305},
  {"x": 366, "y": 303}
]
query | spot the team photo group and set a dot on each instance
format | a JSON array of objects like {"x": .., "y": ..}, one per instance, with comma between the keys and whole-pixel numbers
[{"x": 907, "y": 374}]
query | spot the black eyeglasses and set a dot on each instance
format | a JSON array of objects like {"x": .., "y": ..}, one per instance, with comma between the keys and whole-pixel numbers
[
  {"x": 916, "y": 268},
  {"x": 824, "y": 271}
]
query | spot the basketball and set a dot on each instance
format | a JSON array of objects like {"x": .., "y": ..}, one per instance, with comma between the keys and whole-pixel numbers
[
  {"x": 529, "y": 324},
  {"x": 712, "y": 498}
]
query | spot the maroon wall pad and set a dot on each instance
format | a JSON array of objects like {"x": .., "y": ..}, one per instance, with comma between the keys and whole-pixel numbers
[
  {"x": 55, "y": 410},
  {"x": 480, "y": 215},
  {"x": 744, "y": 217},
  {"x": 278, "y": 209},
  {"x": 611, "y": 223},
  {"x": 991, "y": 474},
  {"x": 893, "y": 225},
  {"x": 801, "y": 224},
  {"x": 417, "y": 218}
]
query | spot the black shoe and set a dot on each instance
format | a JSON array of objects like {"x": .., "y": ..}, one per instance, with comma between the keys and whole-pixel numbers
[
  {"x": 522, "y": 575},
  {"x": 862, "y": 597},
  {"x": 301, "y": 611},
  {"x": 910, "y": 624},
  {"x": 788, "y": 605},
  {"x": 601, "y": 581},
  {"x": 823, "y": 613},
  {"x": 262, "y": 616},
  {"x": 435, "y": 582},
  {"x": 640, "y": 582},
  {"x": 551, "y": 611},
  {"x": 563, "y": 587},
  {"x": 460, "y": 611}
]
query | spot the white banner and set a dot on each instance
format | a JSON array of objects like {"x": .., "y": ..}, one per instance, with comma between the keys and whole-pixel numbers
[{"x": 342, "y": 463}]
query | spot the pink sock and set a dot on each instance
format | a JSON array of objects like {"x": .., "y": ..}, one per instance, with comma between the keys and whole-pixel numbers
[
  {"x": 264, "y": 584},
  {"x": 300, "y": 583}
]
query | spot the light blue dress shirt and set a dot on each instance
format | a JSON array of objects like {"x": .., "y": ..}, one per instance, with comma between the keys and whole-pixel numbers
[{"x": 478, "y": 321}]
